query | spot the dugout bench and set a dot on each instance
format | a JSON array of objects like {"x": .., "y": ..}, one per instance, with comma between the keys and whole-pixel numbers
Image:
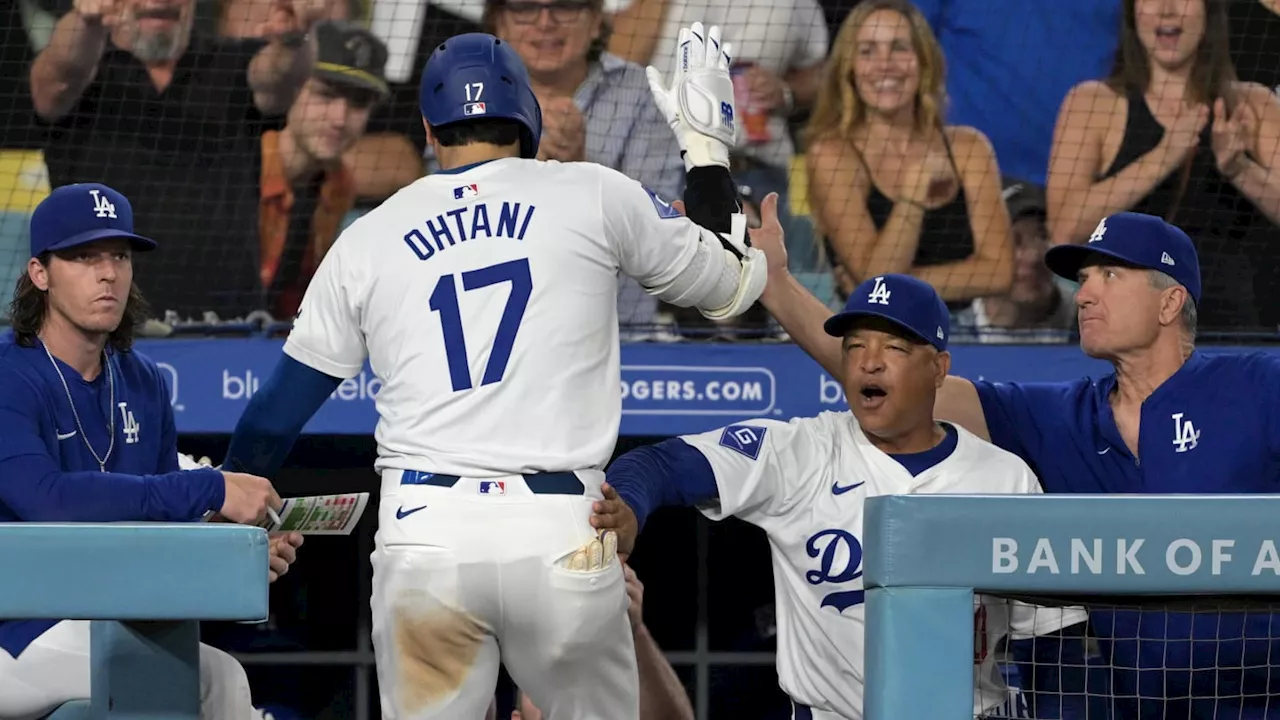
[{"x": 145, "y": 586}]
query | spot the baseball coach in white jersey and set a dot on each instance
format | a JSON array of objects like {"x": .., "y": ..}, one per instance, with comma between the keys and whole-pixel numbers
[
  {"x": 484, "y": 298},
  {"x": 805, "y": 482}
]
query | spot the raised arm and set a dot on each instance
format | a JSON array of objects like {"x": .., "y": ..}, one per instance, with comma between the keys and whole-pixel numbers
[
  {"x": 68, "y": 64},
  {"x": 1078, "y": 200},
  {"x": 702, "y": 261},
  {"x": 280, "y": 68}
]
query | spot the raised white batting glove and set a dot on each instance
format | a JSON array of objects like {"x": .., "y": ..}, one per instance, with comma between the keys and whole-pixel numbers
[{"x": 698, "y": 105}]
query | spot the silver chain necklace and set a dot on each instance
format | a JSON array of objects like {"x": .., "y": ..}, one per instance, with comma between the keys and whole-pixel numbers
[{"x": 111, "y": 425}]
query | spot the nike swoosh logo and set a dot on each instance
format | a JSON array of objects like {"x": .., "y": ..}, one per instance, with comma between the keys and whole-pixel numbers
[
  {"x": 401, "y": 513},
  {"x": 1104, "y": 452},
  {"x": 66, "y": 436},
  {"x": 837, "y": 490}
]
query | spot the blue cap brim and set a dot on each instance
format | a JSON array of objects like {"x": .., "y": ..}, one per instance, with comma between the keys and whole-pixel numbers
[
  {"x": 838, "y": 325},
  {"x": 1065, "y": 261},
  {"x": 139, "y": 243}
]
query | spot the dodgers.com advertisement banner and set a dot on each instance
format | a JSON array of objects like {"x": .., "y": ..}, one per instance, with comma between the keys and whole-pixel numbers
[{"x": 667, "y": 389}]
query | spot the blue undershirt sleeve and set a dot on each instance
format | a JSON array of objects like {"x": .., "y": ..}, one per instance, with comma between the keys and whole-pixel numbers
[
  {"x": 671, "y": 472},
  {"x": 276, "y": 414}
]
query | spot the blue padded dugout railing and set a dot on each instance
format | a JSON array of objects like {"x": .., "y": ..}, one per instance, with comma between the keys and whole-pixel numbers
[
  {"x": 925, "y": 555},
  {"x": 145, "y": 586}
]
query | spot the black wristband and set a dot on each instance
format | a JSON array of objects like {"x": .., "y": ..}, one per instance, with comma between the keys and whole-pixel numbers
[{"x": 711, "y": 198}]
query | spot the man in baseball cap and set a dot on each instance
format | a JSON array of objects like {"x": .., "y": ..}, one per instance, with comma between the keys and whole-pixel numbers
[
  {"x": 88, "y": 427},
  {"x": 1133, "y": 240},
  {"x": 79, "y": 280},
  {"x": 313, "y": 169},
  {"x": 348, "y": 56},
  {"x": 1139, "y": 277},
  {"x": 895, "y": 330},
  {"x": 75, "y": 215}
]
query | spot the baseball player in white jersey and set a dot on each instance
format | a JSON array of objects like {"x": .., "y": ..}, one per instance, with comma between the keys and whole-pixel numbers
[
  {"x": 483, "y": 297},
  {"x": 804, "y": 482}
]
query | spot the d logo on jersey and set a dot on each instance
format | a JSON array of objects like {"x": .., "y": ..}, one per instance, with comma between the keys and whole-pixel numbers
[
  {"x": 743, "y": 439},
  {"x": 839, "y": 561}
]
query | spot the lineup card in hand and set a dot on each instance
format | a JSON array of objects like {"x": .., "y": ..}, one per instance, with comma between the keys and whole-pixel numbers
[{"x": 320, "y": 514}]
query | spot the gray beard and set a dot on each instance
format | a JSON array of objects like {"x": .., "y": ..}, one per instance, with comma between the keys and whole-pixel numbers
[{"x": 159, "y": 47}]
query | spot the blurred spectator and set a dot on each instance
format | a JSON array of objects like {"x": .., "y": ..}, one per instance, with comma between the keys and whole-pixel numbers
[
  {"x": 1255, "y": 41},
  {"x": 382, "y": 162},
  {"x": 1011, "y": 63},
  {"x": 1172, "y": 133},
  {"x": 307, "y": 187},
  {"x": 1038, "y": 307},
  {"x": 135, "y": 97},
  {"x": 778, "y": 51},
  {"x": 893, "y": 189},
  {"x": 596, "y": 106}
]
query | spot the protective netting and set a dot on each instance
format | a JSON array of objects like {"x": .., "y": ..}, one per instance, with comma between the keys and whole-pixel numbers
[
  {"x": 1172, "y": 658},
  {"x": 955, "y": 142}
]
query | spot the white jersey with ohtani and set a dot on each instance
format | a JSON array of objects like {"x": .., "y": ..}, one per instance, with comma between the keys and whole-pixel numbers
[
  {"x": 485, "y": 302},
  {"x": 805, "y": 483}
]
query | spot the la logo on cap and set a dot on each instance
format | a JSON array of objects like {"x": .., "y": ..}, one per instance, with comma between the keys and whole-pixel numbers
[
  {"x": 1099, "y": 231},
  {"x": 102, "y": 205},
  {"x": 879, "y": 293}
]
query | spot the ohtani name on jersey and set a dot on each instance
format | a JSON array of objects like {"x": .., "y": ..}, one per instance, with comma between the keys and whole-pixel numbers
[{"x": 459, "y": 225}]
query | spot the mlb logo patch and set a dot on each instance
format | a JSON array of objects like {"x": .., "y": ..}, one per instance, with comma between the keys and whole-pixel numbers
[
  {"x": 493, "y": 487},
  {"x": 466, "y": 191},
  {"x": 743, "y": 439},
  {"x": 470, "y": 109}
]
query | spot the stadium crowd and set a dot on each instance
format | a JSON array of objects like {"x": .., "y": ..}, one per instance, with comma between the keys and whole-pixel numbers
[{"x": 952, "y": 140}]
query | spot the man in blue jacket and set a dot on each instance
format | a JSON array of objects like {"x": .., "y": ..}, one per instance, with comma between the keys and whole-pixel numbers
[{"x": 87, "y": 435}]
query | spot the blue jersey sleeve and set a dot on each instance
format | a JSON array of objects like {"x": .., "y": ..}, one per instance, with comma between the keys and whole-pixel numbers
[
  {"x": 275, "y": 417},
  {"x": 671, "y": 472},
  {"x": 34, "y": 488},
  {"x": 1020, "y": 416}
]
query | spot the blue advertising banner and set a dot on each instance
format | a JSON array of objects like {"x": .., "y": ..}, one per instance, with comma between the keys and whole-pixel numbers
[{"x": 667, "y": 389}]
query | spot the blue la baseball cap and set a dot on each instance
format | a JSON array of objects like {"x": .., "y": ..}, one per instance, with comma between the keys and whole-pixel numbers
[
  {"x": 903, "y": 300},
  {"x": 1144, "y": 241},
  {"x": 74, "y": 215}
]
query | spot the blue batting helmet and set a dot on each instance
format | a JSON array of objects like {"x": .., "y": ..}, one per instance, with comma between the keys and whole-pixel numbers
[{"x": 475, "y": 76}]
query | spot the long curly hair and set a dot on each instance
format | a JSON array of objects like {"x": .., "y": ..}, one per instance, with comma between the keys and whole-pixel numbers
[
  {"x": 838, "y": 109},
  {"x": 30, "y": 306}
]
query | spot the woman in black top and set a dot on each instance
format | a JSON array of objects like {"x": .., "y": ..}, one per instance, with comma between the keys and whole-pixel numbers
[
  {"x": 894, "y": 189},
  {"x": 1173, "y": 133}
]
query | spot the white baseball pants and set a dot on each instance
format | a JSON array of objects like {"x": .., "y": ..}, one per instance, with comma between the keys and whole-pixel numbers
[
  {"x": 55, "y": 669},
  {"x": 470, "y": 576}
]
